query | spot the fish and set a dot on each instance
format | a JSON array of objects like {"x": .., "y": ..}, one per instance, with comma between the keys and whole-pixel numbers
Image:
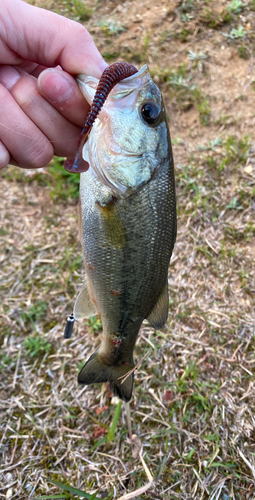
[{"x": 128, "y": 224}]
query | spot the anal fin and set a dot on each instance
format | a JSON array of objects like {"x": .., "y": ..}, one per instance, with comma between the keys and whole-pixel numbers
[{"x": 159, "y": 313}]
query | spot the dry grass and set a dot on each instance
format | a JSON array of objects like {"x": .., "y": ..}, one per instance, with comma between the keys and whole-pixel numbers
[{"x": 193, "y": 406}]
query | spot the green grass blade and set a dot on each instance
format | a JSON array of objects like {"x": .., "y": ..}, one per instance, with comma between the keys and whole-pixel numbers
[
  {"x": 48, "y": 497},
  {"x": 71, "y": 489},
  {"x": 113, "y": 427},
  {"x": 98, "y": 443}
]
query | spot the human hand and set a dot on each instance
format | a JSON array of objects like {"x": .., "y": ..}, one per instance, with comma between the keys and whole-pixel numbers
[{"x": 42, "y": 109}]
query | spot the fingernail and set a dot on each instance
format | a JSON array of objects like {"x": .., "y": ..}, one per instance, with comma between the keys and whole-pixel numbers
[
  {"x": 54, "y": 85},
  {"x": 8, "y": 76}
]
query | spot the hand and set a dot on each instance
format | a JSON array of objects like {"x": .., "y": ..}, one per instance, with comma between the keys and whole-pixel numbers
[{"x": 42, "y": 109}]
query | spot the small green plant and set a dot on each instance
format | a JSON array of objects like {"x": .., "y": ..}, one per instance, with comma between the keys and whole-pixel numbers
[
  {"x": 236, "y": 149},
  {"x": 79, "y": 10},
  {"x": 36, "y": 311},
  {"x": 36, "y": 346},
  {"x": 187, "y": 6},
  {"x": 212, "y": 145},
  {"x": 203, "y": 106},
  {"x": 6, "y": 361},
  {"x": 243, "y": 52},
  {"x": 111, "y": 27},
  {"x": 186, "y": 17},
  {"x": 184, "y": 35},
  {"x": 196, "y": 57},
  {"x": 188, "y": 93},
  {"x": 95, "y": 323},
  {"x": 235, "y": 33},
  {"x": 235, "y": 6},
  {"x": 234, "y": 204}
]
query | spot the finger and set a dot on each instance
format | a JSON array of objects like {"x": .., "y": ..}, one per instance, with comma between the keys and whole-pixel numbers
[
  {"x": 63, "y": 135},
  {"x": 62, "y": 91},
  {"x": 4, "y": 156},
  {"x": 31, "y": 68},
  {"x": 28, "y": 146},
  {"x": 73, "y": 47}
]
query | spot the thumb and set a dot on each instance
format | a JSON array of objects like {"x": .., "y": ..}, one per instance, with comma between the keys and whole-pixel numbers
[{"x": 33, "y": 34}]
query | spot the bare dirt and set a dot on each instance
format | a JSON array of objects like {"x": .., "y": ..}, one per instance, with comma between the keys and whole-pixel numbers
[{"x": 193, "y": 405}]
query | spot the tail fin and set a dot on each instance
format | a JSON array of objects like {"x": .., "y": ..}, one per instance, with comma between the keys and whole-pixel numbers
[{"x": 95, "y": 370}]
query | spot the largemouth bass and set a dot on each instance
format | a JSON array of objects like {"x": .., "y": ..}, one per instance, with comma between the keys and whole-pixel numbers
[{"x": 128, "y": 224}]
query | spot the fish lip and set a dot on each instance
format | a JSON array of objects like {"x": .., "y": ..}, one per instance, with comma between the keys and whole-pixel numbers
[{"x": 141, "y": 71}]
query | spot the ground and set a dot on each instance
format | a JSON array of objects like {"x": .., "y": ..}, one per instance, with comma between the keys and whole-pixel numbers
[{"x": 193, "y": 405}]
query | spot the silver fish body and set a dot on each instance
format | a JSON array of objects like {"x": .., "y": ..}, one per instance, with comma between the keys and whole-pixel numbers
[{"x": 128, "y": 214}]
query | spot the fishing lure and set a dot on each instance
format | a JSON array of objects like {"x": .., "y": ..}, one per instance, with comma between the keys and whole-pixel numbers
[{"x": 112, "y": 75}]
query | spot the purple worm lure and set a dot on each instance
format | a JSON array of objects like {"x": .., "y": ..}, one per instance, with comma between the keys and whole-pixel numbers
[{"x": 112, "y": 75}]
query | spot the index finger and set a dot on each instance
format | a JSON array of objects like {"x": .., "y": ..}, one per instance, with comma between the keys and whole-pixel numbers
[{"x": 37, "y": 35}]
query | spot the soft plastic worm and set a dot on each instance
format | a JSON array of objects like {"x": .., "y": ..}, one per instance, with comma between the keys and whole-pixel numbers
[{"x": 112, "y": 75}]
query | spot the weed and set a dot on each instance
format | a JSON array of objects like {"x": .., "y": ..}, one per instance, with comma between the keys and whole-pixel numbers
[
  {"x": 186, "y": 17},
  {"x": 187, "y": 6},
  {"x": 235, "y": 6},
  {"x": 113, "y": 427},
  {"x": 243, "y": 52},
  {"x": 36, "y": 346},
  {"x": 196, "y": 57},
  {"x": 234, "y": 204},
  {"x": 184, "y": 35},
  {"x": 111, "y": 27},
  {"x": 78, "y": 9},
  {"x": 67, "y": 489},
  {"x": 95, "y": 323},
  {"x": 36, "y": 311},
  {"x": 212, "y": 145},
  {"x": 6, "y": 361},
  {"x": 236, "y": 150},
  {"x": 188, "y": 93},
  {"x": 235, "y": 33},
  {"x": 203, "y": 106}
]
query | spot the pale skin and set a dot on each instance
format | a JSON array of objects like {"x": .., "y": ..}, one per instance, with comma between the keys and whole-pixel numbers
[{"x": 42, "y": 109}]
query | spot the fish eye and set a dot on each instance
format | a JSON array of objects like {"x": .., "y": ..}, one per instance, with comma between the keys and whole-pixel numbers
[{"x": 150, "y": 112}]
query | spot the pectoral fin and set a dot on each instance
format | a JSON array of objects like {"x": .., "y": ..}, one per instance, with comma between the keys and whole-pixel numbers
[
  {"x": 159, "y": 313},
  {"x": 84, "y": 307}
]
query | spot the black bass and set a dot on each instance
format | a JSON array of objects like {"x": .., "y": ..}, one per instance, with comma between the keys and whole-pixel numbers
[{"x": 128, "y": 223}]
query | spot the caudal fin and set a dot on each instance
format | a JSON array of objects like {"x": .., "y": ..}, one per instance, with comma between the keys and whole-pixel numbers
[{"x": 95, "y": 370}]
